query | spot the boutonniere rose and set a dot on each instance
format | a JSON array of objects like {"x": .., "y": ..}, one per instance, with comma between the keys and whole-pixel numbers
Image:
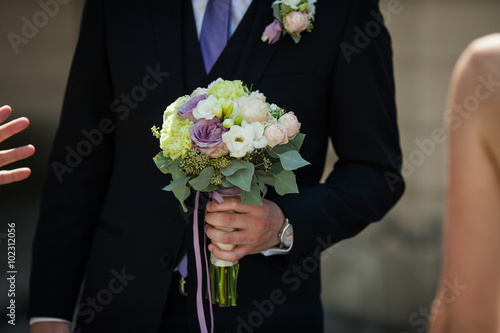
[{"x": 290, "y": 17}]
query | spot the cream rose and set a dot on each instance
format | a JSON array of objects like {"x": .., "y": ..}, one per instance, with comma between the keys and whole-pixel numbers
[
  {"x": 296, "y": 22},
  {"x": 275, "y": 135},
  {"x": 290, "y": 123},
  {"x": 252, "y": 109},
  {"x": 258, "y": 95}
]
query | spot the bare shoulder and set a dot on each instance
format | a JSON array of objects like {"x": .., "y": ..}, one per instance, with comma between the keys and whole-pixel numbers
[{"x": 474, "y": 101}]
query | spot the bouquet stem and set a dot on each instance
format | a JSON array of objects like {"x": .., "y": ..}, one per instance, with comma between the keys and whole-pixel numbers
[{"x": 223, "y": 282}]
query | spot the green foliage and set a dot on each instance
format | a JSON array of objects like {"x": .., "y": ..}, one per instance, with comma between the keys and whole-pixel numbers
[
  {"x": 203, "y": 180},
  {"x": 242, "y": 177},
  {"x": 286, "y": 183},
  {"x": 291, "y": 160}
]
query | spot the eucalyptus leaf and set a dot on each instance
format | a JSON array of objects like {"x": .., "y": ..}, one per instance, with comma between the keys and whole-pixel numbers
[
  {"x": 298, "y": 140},
  {"x": 291, "y": 160},
  {"x": 253, "y": 196},
  {"x": 175, "y": 169},
  {"x": 280, "y": 149},
  {"x": 203, "y": 179},
  {"x": 266, "y": 177},
  {"x": 234, "y": 167},
  {"x": 182, "y": 193},
  {"x": 226, "y": 183},
  {"x": 243, "y": 177},
  {"x": 176, "y": 183},
  {"x": 286, "y": 183},
  {"x": 296, "y": 39},
  {"x": 210, "y": 188},
  {"x": 263, "y": 187},
  {"x": 162, "y": 162},
  {"x": 276, "y": 168}
]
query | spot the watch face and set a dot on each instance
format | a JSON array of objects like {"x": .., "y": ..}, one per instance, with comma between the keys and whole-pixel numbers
[{"x": 287, "y": 237}]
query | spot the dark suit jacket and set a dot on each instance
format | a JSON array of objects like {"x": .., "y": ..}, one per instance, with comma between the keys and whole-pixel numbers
[{"x": 104, "y": 219}]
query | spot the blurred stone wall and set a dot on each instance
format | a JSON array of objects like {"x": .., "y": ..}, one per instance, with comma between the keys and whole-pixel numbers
[{"x": 384, "y": 279}]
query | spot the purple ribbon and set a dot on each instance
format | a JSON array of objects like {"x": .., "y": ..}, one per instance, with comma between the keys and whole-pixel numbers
[
  {"x": 217, "y": 197},
  {"x": 199, "y": 277}
]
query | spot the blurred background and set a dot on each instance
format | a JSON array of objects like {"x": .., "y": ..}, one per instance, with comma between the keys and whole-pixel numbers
[{"x": 384, "y": 279}]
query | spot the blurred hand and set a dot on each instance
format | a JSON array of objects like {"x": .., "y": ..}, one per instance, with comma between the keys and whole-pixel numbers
[
  {"x": 50, "y": 327},
  {"x": 257, "y": 227},
  {"x": 16, "y": 154}
]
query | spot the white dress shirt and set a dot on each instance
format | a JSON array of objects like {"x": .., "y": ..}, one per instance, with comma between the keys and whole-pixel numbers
[{"x": 239, "y": 8}]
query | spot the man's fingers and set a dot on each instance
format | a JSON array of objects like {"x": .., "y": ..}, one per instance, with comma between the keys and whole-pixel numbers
[
  {"x": 5, "y": 112},
  {"x": 16, "y": 154},
  {"x": 7, "y": 177},
  {"x": 230, "y": 204},
  {"x": 228, "y": 237},
  {"x": 13, "y": 127}
]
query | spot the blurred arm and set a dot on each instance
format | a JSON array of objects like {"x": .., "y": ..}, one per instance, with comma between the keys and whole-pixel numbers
[{"x": 468, "y": 296}]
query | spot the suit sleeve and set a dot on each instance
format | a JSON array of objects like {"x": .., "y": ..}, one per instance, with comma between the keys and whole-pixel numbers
[
  {"x": 366, "y": 181},
  {"x": 77, "y": 176}
]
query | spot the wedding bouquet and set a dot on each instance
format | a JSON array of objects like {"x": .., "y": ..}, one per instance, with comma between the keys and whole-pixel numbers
[{"x": 227, "y": 138}]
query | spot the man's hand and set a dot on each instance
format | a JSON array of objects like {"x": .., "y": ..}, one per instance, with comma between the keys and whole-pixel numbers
[
  {"x": 16, "y": 154},
  {"x": 50, "y": 327},
  {"x": 257, "y": 227}
]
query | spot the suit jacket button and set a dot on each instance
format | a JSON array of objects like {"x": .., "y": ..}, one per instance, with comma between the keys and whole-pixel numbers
[{"x": 166, "y": 260}]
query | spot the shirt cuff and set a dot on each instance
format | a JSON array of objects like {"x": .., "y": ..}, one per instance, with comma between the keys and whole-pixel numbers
[{"x": 47, "y": 319}]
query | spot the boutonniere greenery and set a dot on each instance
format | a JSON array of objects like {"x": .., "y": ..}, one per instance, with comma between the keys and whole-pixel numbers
[{"x": 290, "y": 17}]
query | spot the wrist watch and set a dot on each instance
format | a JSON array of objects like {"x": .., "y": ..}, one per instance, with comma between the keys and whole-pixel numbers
[{"x": 285, "y": 237}]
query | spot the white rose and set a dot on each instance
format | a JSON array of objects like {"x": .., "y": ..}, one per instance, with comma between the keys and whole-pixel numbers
[
  {"x": 290, "y": 123},
  {"x": 259, "y": 139},
  {"x": 296, "y": 22},
  {"x": 204, "y": 109},
  {"x": 252, "y": 109},
  {"x": 291, "y": 3},
  {"x": 276, "y": 135},
  {"x": 239, "y": 140}
]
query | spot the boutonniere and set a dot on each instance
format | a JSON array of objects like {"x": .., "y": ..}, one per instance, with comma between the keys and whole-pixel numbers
[{"x": 290, "y": 17}]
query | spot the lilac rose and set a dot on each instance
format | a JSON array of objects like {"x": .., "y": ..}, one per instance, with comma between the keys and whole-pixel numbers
[
  {"x": 185, "y": 111},
  {"x": 207, "y": 137}
]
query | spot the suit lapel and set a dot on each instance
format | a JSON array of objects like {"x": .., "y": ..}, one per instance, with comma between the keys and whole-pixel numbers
[
  {"x": 245, "y": 57},
  {"x": 256, "y": 54},
  {"x": 167, "y": 23}
]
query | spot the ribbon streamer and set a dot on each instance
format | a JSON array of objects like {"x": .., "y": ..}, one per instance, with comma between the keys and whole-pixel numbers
[{"x": 199, "y": 277}]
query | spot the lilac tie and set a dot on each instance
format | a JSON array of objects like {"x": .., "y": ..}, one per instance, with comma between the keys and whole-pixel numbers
[{"x": 215, "y": 31}]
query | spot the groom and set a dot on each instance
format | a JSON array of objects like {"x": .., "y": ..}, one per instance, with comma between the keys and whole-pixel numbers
[{"x": 109, "y": 241}]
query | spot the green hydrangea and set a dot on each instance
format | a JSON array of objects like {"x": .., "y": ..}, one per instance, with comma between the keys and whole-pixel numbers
[
  {"x": 227, "y": 89},
  {"x": 174, "y": 137}
]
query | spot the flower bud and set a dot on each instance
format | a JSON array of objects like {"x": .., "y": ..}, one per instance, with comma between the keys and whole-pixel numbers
[
  {"x": 227, "y": 108},
  {"x": 218, "y": 111},
  {"x": 303, "y": 7},
  {"x": 237, "y": 120},
  {"x": 228, "y": 123}
]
